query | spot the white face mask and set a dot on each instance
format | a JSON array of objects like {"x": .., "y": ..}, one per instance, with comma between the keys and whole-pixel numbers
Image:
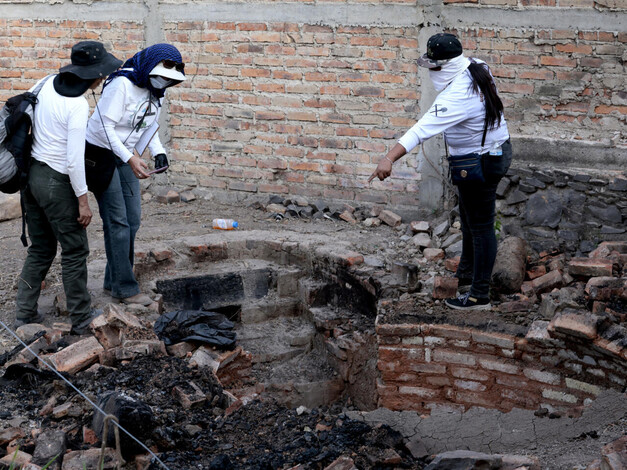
[
  {"x": 159, "y": 83},
  {"x": 450, "y": 70}
]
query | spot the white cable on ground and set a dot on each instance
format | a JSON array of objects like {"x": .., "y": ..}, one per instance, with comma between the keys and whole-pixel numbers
[{"x": 82, "y": 394}]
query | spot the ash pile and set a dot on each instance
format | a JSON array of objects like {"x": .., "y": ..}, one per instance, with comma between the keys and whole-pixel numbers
[{"x": 171, "y": 399}]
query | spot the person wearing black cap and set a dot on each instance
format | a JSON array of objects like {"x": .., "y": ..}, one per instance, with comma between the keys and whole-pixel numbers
[
  {"x": 469, "y": 112},
  {"x": 128, "y": 111},
  {"x": 55, "y": 197}
]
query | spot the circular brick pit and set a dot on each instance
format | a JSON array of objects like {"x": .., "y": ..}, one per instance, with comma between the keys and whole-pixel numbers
[{"x": 312, "y": 329}]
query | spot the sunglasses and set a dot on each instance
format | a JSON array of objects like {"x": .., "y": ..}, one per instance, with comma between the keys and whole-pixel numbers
[{"x": 170, "y": 64}]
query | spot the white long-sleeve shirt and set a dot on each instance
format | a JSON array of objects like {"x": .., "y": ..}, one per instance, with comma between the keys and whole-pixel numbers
[
  {"x": 121, "y": 108},
  {"x": 459, "y": 113},
  {"x": 59, "y": 134}
]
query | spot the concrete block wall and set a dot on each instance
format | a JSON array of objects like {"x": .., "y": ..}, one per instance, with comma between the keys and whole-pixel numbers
[{"x": 304, "y": 97}]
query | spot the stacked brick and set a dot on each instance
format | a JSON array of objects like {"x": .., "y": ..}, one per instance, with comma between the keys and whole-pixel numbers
[{"x": 558, "y": 366}]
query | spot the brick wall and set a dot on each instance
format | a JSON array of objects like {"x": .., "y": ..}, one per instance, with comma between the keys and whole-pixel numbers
[
  {"x": 561, "y": 84},
  {"x": 426, "y": 365},
  {"x": 288, "y": 108},
  {"x": 309, "y": 107}
]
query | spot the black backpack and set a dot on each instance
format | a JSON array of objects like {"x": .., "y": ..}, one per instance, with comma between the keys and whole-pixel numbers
[{"x": 16, "y": 139}]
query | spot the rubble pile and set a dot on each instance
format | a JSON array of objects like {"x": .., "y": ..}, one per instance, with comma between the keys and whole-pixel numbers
[{"x": 172, "y": 399}]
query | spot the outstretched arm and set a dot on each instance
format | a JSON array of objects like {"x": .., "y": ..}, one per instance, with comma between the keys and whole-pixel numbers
[{"x": 384, "y": 168}]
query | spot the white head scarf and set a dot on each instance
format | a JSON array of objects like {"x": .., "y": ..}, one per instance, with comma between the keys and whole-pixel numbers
[{"x": 450, "y": 70}]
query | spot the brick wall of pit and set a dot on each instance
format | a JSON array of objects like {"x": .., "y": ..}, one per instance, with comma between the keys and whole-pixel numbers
[
  {"x": 303, "y": 97},
  {"x": 424, "y": 366}
]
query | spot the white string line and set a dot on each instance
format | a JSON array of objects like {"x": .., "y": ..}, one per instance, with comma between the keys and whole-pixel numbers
[{"x": 82, "y": 394}]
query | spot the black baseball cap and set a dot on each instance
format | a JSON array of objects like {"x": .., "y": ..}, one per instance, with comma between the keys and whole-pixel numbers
[{"x": 441, "y": 48}]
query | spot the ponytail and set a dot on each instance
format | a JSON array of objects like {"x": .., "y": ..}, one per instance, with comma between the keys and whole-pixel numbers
[{"x": 482, "y": 82}]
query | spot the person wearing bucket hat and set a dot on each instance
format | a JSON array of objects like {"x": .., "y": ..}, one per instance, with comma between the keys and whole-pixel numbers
[
  {"x": 469, "y": 113},
  {"x": 127, "y": 114},
  {"x": 55, "y": 196}
]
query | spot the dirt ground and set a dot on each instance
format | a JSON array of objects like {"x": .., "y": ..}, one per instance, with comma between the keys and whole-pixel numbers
[{"x": 262, "y": 435}]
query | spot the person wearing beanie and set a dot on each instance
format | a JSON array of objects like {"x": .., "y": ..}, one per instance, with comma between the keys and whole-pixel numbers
[
  {"x": 55, "y": 196},
  {"x": 127, "y": 114},
  {"x": 469, "y": 112}
]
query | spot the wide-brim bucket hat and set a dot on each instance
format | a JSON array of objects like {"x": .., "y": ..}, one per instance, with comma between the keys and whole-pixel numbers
[{"x": 91, "y": 61}]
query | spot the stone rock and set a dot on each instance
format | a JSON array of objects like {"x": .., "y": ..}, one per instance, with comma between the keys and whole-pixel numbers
[
  {"x": 320, "y": 206},
  {"x": 10, "y": 434},
  {"x": 422, "y": 240},
  {"x": 10, "y": 206},
  {"x": 406, "y": 274},
  {"x": 441, "y": 229},
  {"x": 16, "y": 459},
  {"x": 51, "y": 444},
  {"x": 419, "y": 226},
  {"x": 544, "y": 209},
  {"x": 80, "y": 460},
  {"x": 465, "y": 460},
  {"x": 372, "y": 222},
  {"x": 433, "y": 254},
  {"x": 342, "y": 463},
  {"x": 275, "y": 199},
  {"x": 276, "y": 208},
  {"x": 188, "y": 196},
  {"x": 508, "y": 273}
]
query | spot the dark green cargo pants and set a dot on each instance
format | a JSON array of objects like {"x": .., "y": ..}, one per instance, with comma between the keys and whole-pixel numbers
[{"x": 51, "y": 215}]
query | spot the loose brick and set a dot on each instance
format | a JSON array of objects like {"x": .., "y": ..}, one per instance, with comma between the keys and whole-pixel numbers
[
  {"x": 445, "y": 287},
  {"x": 578, "y": 325},
  {"x": 590, "y": 267},
  {"x": 547, "y": 282},
  {"x": 77, "y": 356}
]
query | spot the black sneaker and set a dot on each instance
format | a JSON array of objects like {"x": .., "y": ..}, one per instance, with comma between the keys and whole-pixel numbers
[
  {"x": 83, "y": 327},
  {"x": 466, "y": 302},
  {"x": 39, "y": 318}
]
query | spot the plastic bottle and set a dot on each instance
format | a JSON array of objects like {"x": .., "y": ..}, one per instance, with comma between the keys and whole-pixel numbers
[{"x": 224, "y": 224}]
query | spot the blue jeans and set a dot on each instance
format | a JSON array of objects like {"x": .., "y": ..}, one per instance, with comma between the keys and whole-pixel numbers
[
  {"x": 120, "y": 210},
  {"x": 477, "y": 211}
]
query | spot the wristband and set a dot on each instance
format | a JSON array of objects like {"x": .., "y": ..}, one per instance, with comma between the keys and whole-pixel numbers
[{"x": 386, "y": 157}]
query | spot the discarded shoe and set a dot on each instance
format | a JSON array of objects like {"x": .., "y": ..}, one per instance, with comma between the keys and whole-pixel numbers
[
  {"x": 39, "y": 318},
  {"x": 83, "y": 327},
  {"x": 141, "y": 299},
  {"x": 466, "y": 302}
]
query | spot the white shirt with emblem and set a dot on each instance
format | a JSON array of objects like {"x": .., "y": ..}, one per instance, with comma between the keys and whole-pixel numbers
[
  {"x": 123, "y": 113},
  {"x": 59, "y": 134},
  {"x": 459, "y": 113}
]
